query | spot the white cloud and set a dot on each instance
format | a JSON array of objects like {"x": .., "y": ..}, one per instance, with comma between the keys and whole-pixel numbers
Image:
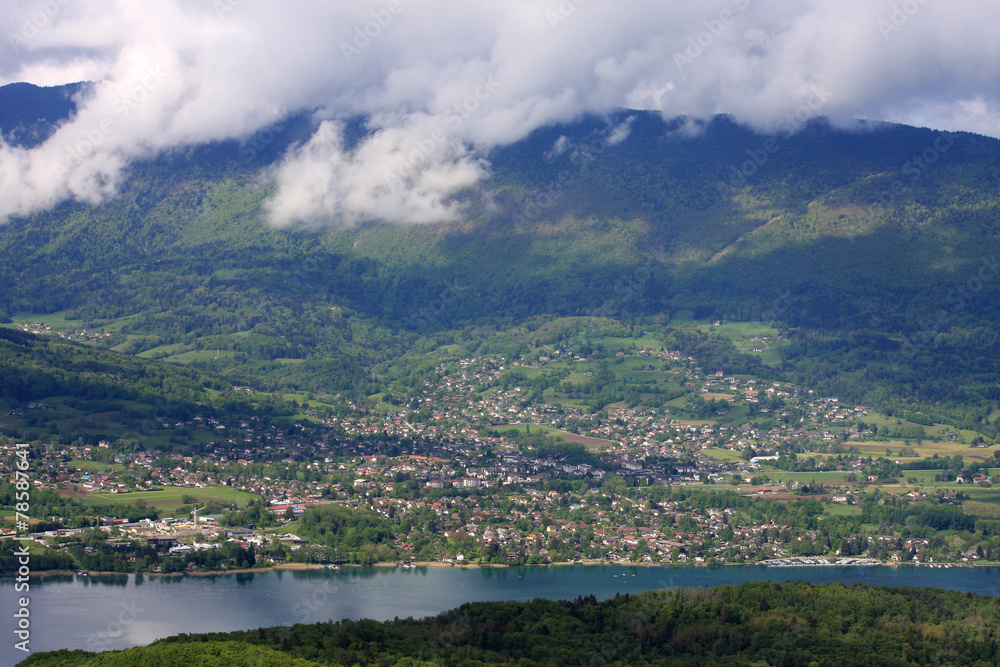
[
  {"x": 620, "y": 132},
  {"x": 475, "y": 73},
  {"x": 387, "y": 177},
  {"x": 559, "y": 146}
]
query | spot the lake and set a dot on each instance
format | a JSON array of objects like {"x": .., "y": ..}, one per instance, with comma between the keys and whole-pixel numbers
[{"x": 119, "y": 611}]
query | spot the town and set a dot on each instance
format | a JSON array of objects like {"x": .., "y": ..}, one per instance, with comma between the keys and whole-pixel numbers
[{"x": 489, "y": 460}]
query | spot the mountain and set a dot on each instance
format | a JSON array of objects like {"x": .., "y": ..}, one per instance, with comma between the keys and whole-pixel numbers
[
  {"x": 29, "y": 114},
  {"x": 870, "y": 248}
]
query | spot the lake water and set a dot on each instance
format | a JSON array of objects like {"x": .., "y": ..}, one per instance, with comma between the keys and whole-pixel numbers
[{"x": 119, "y": 611}]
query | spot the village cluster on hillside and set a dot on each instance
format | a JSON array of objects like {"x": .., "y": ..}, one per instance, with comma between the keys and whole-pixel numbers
[{"x": 461, "y": 485}]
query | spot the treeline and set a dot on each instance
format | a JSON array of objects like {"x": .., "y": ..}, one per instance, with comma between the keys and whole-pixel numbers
[
  {"x": 747, "y": 624},
  {"x": 97, "y": 551},
  {"x": 48, "y": 504},
  {"x": 924, "y": 516},
  {"x": 137, "y": 398},
  {"x": 33, "y": 367},
  {"x": 350, "y": 535}
]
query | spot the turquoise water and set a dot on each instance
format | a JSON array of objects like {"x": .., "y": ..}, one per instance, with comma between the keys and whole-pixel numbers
[{"x": 119, "y": 611}]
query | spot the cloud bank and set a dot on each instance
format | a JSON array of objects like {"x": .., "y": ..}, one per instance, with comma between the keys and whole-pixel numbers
[{"x": 442, "y": 81}]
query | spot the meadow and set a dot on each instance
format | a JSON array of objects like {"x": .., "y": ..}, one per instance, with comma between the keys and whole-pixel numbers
[{"x": 169, "y": 499}]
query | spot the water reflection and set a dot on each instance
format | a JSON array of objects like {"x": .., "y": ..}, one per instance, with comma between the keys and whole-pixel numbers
[
  {"x": 106, "y": 579},
  {"x": 70, "y": 611}
]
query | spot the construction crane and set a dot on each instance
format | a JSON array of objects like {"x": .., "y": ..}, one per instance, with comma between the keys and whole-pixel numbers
[{"x": 195, "y": 512}]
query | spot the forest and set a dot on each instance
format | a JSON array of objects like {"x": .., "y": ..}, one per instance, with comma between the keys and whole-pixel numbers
[
  {"x": 756, "y": 623},
  {"x": 182, "y": 267}
]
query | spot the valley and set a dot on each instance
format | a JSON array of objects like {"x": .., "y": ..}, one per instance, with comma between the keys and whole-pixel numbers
[
  {"x": 589, "y": 440},
  {"x": 606, "y": 358}
]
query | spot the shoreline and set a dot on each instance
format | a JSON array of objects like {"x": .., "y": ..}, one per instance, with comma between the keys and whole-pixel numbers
[
  {"x": 466, "y": 565},
  {"x": 192, "y": 573}
]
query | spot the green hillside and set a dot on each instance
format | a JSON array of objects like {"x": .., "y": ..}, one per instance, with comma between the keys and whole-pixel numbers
[
  {"x": 52, "y": 390},
  {"x": 746, "y": 624},
  {"x": 870, "y": 251}
]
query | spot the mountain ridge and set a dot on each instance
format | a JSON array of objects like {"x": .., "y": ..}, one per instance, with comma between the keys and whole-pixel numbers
[{"x": 646, "y": 228}]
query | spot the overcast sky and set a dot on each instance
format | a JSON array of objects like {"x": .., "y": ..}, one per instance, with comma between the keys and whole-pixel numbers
[{"x": 445, "y": 79}]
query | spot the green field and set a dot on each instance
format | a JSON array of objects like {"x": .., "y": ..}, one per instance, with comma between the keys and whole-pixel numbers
[
  {"x": 194, "y": 356},
  {"x": 747, "y": 337},
  {"x": 527, "y": 428},
  {"x": 989, "y": 495},
  {"x": 164, "y": 351},
  {"x": 839, "y": 476},
  {"x": 877, "y": 448},
  {"x": 94, "y": 465},
  {"x": 642, "y": 372},
  {"x": 721, "y": 454},
  {"x": 550, "y": 398},
  {"x": 921, "y": 475},
  {"x": 171, "y": 497},
  {"x": 58, "y": 322},
  {"x": 304, "y": 400},
  {"x": 534, "y": 429},
  {"x": 55, "y": 320},
  {"x": 615, "y": 343},
  {"x": 593, "y": 444}
]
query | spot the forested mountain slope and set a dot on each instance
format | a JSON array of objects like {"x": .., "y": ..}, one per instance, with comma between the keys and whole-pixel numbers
[{"x": 872, "y": 247}]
